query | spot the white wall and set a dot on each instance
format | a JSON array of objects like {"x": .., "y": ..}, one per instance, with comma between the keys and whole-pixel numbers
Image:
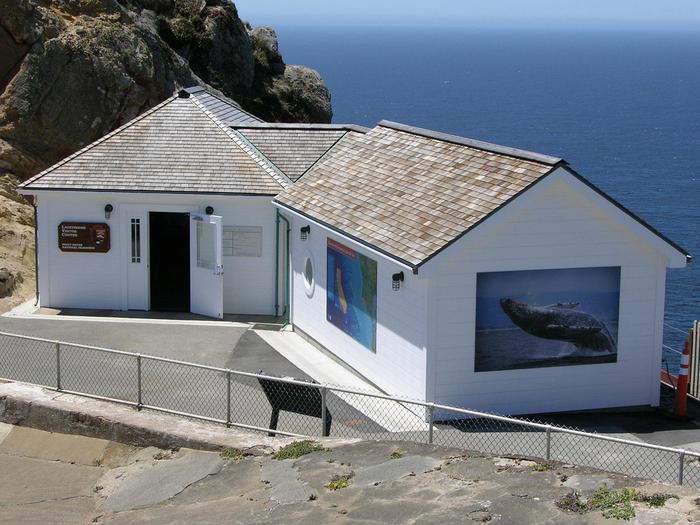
[
  {"x": 77, "y": 280},
  {"x": 106, "y": 281},
  {"x": 554, "y": 225},
  {"x": 398, "y": 365}
]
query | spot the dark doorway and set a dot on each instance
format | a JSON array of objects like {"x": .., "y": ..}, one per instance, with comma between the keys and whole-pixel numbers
[{"x": 169, "y": 239}]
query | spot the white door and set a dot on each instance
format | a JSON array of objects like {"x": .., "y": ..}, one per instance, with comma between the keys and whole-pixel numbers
[
  {"x": 206, "y": 270},
  {"x": 137, "y": 295}
]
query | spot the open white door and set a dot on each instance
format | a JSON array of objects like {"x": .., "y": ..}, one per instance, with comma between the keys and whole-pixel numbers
[{"x": 206, "y": 270}]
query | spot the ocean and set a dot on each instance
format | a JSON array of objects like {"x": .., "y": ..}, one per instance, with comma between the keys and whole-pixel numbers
[{"x": 623, "y": 107}]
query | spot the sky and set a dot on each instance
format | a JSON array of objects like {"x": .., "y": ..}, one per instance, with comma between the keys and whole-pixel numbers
[{"x": 661, "y": 14}]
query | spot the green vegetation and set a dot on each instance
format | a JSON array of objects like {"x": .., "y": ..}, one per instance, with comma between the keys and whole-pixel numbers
[
  {"x": 397, "y": 454},
  {"x": 541, "y": 467},
  {"x": 232, "y": 453},
  {"x": 614, "y": 504},
  {"x": 188, "y": 8},
  {"x": 297, "y": 449},
  {"x": 260, "y": 55},
  {"x": 186, "y": 27},
  {"x": 340, "y": 482}
]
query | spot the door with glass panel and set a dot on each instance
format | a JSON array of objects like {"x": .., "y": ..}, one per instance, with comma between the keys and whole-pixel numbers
[{"x": 206, "y": 268}]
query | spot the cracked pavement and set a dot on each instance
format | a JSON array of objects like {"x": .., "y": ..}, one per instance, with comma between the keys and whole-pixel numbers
[{"x": 58, "y": 478}]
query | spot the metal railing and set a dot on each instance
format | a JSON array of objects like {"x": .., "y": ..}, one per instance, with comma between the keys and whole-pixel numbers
[
  {"x": 672, "y": 357},
  {"x": 246, "y": 400}
]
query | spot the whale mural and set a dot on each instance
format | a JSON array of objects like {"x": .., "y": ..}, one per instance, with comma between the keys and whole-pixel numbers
[
  {"x": 562, "y": 323},
  {"x": 544, "y": 318}
]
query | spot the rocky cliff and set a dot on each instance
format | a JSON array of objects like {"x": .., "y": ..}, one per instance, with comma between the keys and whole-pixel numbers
[{"x": 73, "y": 70}]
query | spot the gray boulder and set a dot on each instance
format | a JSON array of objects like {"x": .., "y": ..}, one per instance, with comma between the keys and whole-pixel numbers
[{"x": 7, "y": 282}]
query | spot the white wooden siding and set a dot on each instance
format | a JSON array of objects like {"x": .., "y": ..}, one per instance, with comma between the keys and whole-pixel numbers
[
  {"x": 104, "y": 281},
  {"x": 554, "y": 225},
  {"x": 398, "y": 365}
]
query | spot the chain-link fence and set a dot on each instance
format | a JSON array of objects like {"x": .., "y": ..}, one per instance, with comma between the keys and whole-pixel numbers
[{"x": 299, "y": 408}]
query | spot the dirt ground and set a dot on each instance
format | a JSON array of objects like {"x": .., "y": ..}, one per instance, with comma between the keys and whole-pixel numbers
[{"x": 16, "y": 243}]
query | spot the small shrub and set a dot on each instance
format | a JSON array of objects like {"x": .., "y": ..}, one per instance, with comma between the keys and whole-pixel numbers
[
  {"x": 183, "y": 30},
  {"x": 261, "y": 57},
  {"x": 297, "y": 449},
  {"x": 614, "y": 504},
  {"x": 340, "y": 482},
  {"x": 188, "y": 8},
  {"x": 541, "y": 467},
  {"x": 657, "y": 499},
  {"x": 232, "y": 453},
  {"x": 397, "y": 454}
]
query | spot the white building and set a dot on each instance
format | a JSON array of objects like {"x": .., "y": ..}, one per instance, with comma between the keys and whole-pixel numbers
[
  {"x": 184, "y": 193},
  {"x": 437, "y": 267}
]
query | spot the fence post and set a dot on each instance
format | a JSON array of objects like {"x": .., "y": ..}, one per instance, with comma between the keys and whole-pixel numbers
[
  {"x": 431, "y": 426},
  {"x": 548, "y": 454},
  {"x": 58, "y": 365},
  {"x": 681, "y": 462},
  {"x": 228, "y": 399},
  {"x": 324, "y": 411},
  {"x": 139, "y": 403}
]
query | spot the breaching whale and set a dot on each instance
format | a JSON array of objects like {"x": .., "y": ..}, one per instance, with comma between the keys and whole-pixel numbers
[{"x": 562, "y": 323}]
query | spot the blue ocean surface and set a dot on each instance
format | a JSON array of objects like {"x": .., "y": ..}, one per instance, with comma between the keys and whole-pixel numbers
[{"x": 623, "y": 107}]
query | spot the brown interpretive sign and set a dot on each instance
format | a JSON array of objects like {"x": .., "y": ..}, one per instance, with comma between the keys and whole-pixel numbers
[{"x": 83, "y": 237}]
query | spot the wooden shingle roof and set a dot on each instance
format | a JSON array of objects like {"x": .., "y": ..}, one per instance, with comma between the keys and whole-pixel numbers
[
  {"x": 409, "y": 192},
  {"x": 177, "y": 146},
  {"x": 224, "y": 109},
  {"x": 294, "y": 148}
]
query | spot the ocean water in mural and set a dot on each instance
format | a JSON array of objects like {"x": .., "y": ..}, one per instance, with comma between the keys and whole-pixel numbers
[
  {"x": 351, "y": 293},
  {"x": 541, "y": 318}
]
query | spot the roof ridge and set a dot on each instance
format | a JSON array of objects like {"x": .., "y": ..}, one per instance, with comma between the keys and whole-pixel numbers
[
  {"x": 473, "y": 143},
  {"x": 285, "y": 181},
  {"x": 97, "y": 142},
  {"x": 261, "y": 160},
  {"x": 300, "y": 125},
  {"x": 199, "y": 88},
  {"x": 323, "y": 156}
]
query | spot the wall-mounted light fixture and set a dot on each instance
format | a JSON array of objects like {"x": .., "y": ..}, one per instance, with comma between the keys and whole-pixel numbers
[
  {"x": 396, "y": 280},
  {"x": 108, "y": 210},
  {"x": 209, "y": 210},
  {"x": 305, "y": 231}
]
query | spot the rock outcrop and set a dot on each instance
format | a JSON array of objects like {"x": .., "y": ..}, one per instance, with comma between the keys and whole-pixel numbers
[{"x": 73, "y": 70}]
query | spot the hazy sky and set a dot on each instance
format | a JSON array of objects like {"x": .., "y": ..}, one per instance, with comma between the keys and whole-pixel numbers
[{"x": 661, "y": 14}]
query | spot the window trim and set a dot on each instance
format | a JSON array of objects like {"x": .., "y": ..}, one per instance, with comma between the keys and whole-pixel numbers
[
  {"x": 136, "y": 240},
  {"x": 309, "y": 287}
]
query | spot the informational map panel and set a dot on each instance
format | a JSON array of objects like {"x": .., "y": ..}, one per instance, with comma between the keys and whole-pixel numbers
[
  {"x": 351, "y": 296},
  {"x": 542, "y": 318},
  {"x": 242, "y": 241},
  {"x": 85, "y": 237}
]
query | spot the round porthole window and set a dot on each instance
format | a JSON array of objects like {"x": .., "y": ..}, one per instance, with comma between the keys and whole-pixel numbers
[{"x": 309, "y": 276}]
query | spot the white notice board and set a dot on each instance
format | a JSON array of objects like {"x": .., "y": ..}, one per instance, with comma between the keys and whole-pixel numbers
[{"x": 242, "y": 241}]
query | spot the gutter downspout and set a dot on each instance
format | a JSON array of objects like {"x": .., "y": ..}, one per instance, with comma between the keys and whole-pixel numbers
[
  {"x": 278, "y": 217},
  {"x": 277, "y": 262},
  {"x": 36, "y": 250}
]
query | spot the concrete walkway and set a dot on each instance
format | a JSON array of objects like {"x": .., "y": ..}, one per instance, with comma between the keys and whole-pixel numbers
[
  {"x": 188, "y": 390},
  {"x": 226, "y": 345}
]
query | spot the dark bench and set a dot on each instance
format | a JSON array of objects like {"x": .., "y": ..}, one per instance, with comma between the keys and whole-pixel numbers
[{"x": 292, "y": 397}]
